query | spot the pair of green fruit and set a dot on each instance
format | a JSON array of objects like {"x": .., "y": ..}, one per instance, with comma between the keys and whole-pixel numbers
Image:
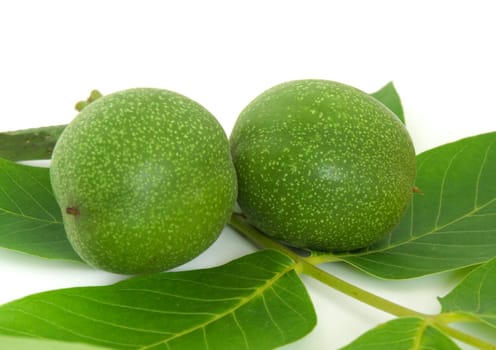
[{"x": 146, "y": 178}]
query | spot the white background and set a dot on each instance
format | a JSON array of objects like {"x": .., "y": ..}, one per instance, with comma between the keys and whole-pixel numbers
[{"x": 440, "y": 55}]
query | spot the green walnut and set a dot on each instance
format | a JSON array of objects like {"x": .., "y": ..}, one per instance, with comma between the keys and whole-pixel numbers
[
  {"x": 144, "y": 179},
  {"x": 322, "y": 165}
]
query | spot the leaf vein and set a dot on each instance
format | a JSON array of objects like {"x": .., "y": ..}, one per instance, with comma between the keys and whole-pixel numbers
[
  {"x": 68, "y": 330},
  {"x": 206, "y": 285},
  {"x": 271, "y": 317},
  {"x": 183, "y": 296},
  {"x": 123, "y": 306},
  {"x": 232, "y": 310},
  {"x": 34, "y": 200},
  {"x": 243, "y": 333},
  {"x": 288, "y": 306},
  {"x": 419, "y": 236},
  {"x": 443, "y": 184},
  {"x": 479, "y": 175},
  {"x": 96, "y": 320}
]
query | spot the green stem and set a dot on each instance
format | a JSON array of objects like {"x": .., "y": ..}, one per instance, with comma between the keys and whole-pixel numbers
[
  {"x": 451, "y": 317},
  {"x": 464, "y": 337},
  {"x": 358, "y": 293},
  {"x": 318, "y": 258},
  {"x": 308, "y": 268},
  {"x": 306, "y": 265}
]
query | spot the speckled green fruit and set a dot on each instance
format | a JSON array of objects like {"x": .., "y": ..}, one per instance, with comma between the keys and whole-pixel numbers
[
  {"x": 144, "y": 179},
  {"x": 322, "y": 165}
]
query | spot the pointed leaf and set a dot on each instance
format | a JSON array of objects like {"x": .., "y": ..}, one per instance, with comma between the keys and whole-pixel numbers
[
  {"x": 20, "y": 343},
  {"x": 30, "y": 219},
  {"x": 254, "y": 302},
  {"x": 29, "y": 144},
  {"x": 390, "y": 98},
  {"x": 475, "y": 295},
  {"x": 403, "y": 334},
  {"x": 452, "y": 224}
]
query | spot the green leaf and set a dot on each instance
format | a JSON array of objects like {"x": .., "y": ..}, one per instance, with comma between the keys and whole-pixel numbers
[
  {"x": 452, "y": 224},
  {"x": 30, "y": 219},
  {"x": 254, "y": 302},
  {"x": 475, "y": 296},
  {"x": 403, "y": 334},
  {"x": 390, "y": 98},
  {"x": 29, "y": 144},
  {"x": 19, "y": 343}
]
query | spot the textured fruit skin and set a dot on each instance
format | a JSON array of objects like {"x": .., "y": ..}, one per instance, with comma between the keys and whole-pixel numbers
[
  {"x": 322, "y": 165},
  {"x": 144, "y": 179}
]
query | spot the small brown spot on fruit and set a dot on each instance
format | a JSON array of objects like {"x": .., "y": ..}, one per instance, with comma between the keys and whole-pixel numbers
[
  {"x": 418, "y": 190},
  {"x": 72, "y": 211}
]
